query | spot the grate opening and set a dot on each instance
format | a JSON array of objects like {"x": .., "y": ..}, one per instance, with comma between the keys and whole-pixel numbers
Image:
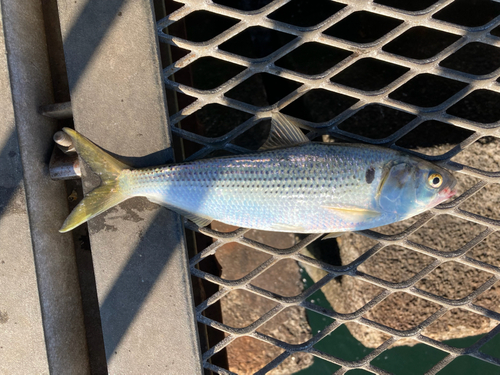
[
  {"x": 177, "y": 101},
  {"x": 210, "y": 117},
  {"x": 436, "y": 233},
  {"x": 239, "y": 261},
  {"x": 271, "y": 281},
  {"x": 274, "y": 89},
  {"x": 427, "y": 90},
  {"x": 244, "y": 43},
  {"x": 482, "y": 155},
  {"x": 254, "y": 137},
  {"x": 478, "y": 106},
  {"x": 490, "y": 300},
  {"x": 363, "y": 27},
  {"x": 201, "y": 26},
  {"x": 460, "y": 318},
  {"x": 188, "y": 148},
  {"x": 306, "y": 13},
  {"x": 369, "y": 74},
  {"x": 402, "y": 227},
  {"x": 312, "y": 58},
  {"x": 434, "y": 138},
  {"x": 397, "y": 264},
  {"x": 490, "y": 348},
  {"x": 424, "y": 358},
  {"x": 207, "y": 73},
  {"x": 480, "y": 252},
  {"x": 319, "y": 105},
  {"x": 262, "y": 354},
  {"x": 286, "y": 327},
  {"x": 334, "y": 345},
  {"x": 385, "y": 121},
  {"x": 397, "y": 311},
  {"x": 420, "y": 43},
  {"x": 471, "y": 13},
  {"x": 459, "y": 364},
  {"x": 444, "y": 279},
  {"x": 495, "y": 31},
  {"x": 474, "y": 58},
  {"x": 239, "y": 308},
  {"x": 485, "y": 202}
]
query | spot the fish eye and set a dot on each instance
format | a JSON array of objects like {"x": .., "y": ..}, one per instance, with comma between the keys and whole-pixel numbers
[{"x": 435, "y": 180}]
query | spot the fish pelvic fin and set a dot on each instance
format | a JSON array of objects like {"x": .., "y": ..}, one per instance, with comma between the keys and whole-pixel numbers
[{"x": 104, "y": 197}]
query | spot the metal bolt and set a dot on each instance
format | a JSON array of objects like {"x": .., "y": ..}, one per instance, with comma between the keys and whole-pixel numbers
[{"x": 64, "y": 142}]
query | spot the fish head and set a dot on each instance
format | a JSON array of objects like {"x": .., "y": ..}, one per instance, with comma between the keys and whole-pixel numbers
[{"x": 413, "y": 185}]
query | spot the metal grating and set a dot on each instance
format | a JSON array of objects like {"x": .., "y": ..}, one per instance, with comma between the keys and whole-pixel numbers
[{"x": 451, "y": 87}]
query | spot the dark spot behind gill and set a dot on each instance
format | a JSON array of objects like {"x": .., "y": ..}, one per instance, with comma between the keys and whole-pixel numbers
[{"x": 370, "y": 175}]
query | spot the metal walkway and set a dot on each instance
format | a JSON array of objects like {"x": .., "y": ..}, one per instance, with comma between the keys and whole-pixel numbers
[{"x": 127, "y": 306}]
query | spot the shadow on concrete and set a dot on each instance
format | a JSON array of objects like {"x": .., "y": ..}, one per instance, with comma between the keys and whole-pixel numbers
[
  {"x": 10, "y": 171},
  {"x": 130, "y": 290},
  {"x": 99, "y": 15}
]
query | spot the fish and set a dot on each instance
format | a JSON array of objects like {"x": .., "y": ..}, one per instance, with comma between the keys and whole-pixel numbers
[{"x": 289, "y": 185}]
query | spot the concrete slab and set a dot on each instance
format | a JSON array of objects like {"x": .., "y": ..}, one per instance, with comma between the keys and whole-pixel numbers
[
  {"x": 43, "y": 317},
  {"x": 22, "y": 342},
  {"x": 140, "y": 260}
]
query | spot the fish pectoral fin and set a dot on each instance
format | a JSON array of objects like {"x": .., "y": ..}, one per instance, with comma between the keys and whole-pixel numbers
[
  {"x": 280, "y": 227},
  {"x": 353, "y": 212},
  {"x": 283, "y": 133},
  {"x": 333, "y": 235},
  {"x": 198, "y": 220}
]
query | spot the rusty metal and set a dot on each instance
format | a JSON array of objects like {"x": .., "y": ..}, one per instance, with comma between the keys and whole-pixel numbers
[{"x": 64, "y": 166}]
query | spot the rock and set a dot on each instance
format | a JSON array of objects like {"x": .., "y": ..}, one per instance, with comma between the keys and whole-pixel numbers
[{"x": 240, "y": 308}]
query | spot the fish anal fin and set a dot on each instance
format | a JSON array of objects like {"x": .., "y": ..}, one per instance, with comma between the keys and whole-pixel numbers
[
  {"x": 283, "y": 133},
  {"x": 333, "y": 235},
  {"x": 280, "y": 227},
  {"x": 198, "y": 220}
]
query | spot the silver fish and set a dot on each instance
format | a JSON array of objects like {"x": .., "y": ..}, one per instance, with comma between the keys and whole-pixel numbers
[{"x": 292, "y": 186}]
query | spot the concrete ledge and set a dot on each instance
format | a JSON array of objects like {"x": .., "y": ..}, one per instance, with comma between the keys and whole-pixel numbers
[
  {"x": 140, "y": 259},
  {"x": 41, "y": 313}
]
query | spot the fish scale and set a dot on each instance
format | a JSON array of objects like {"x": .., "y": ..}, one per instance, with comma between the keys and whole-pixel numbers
[{"x": 281, "y": 189}]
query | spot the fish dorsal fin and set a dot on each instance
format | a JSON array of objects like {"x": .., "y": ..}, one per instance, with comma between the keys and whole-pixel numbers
[{"x": 283, "y": 133}]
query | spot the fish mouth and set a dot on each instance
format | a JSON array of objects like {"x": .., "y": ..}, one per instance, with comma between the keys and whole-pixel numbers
[{"x": 445, "y": 194}]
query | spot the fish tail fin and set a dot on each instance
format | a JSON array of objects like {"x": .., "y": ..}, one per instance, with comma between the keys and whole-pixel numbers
[{"x": 105, "y": 196}]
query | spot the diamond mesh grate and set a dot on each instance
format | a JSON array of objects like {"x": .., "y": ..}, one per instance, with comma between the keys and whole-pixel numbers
[{"x": 437, "y": 84}]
